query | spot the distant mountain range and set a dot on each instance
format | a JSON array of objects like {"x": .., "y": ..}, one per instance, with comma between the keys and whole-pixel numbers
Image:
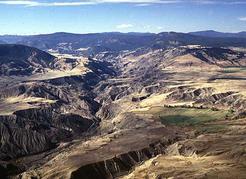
[
  {"x": 212, "y": 33},
  {"x": 115, "y": 41}
]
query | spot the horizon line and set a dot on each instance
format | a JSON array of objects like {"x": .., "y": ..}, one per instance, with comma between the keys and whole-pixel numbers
[{"x": 77, "y": 33}]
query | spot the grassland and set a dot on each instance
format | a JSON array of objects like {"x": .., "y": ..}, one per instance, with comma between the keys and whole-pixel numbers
[
  {"x": 221, "y": 80},
  {"x": 186, "y": 116},
  {"x": 190, "y": 116},
  {"x": 63, "y": 69},
  {"x": 233, "y": 70}
]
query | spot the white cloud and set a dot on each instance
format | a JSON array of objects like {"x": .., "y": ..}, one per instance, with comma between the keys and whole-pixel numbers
[
  {"x": 138, "y": 1},
  {"x": 237, "y": 2},
  {"x": 37, "y": 3},
  {"x": 92, "y": 2},
  {"x": 86, "y": 2},
  {"x": 143, "y": 5},
  {"x": 124, "y": 26},
  {"x": 67, "y": 3},
  {"x": 18, "y": 2},
  {"x": 215, "y": 2},
  {"x": 147, "y": 26},
  {"x": 242, "y": 18}
]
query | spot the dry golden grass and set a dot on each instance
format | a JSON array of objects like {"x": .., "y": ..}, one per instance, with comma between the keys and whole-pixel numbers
[
  {"x": 222, "y": 86},
  {"x": 64, "y": 69},
  {"x": 225, "y": 79},
  {"x": 209, "y": 155},
  {"x": 195, "y": 77},
  {"x": 188, "y": 62},
  {"x": 187, "y": 167},
  {"x": 9, "y": 105},
  {"x": 155, "y": 99}
]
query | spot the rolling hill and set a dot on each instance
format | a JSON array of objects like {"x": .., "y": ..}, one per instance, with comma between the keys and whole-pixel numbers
[{"x": 98, "y": 42}]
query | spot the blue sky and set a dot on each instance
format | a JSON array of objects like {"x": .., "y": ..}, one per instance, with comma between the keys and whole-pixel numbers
[{"x": 88, "y": 16}]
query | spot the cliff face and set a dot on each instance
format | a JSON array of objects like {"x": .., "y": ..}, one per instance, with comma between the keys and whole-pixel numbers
[
  {"x": 37, "y": 130},
  {"x": 121, "y": 164}
]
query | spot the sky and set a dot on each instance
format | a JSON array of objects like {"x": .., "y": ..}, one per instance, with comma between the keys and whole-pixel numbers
[{"x": 26, "y": 17}]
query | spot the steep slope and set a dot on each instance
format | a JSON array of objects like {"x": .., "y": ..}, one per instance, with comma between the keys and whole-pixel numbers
[
  {"x": 45, "y": 100},
  {"x": 187, "y": 75},
  {"x": 210, "y": 155},
  {"x": 22, "y": 60}
]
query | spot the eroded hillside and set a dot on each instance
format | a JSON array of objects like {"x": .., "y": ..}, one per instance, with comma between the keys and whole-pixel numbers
[{"x": 80, "y": 117}]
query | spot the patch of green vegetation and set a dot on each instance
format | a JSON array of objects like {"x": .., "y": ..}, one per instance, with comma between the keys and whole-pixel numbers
[
  {"x": 190, "y": 116},
  {"x": 212, "y": 129},
  {"x": 238, "y": 67},
  {"x": 229, "y": 71},
  {"x": 233, "y": 69}
]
